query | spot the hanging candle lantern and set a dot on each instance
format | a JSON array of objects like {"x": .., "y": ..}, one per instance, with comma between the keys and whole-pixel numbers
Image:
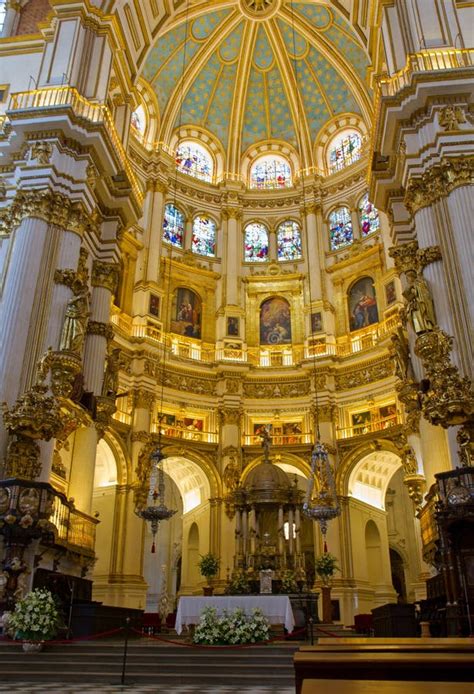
[
  {"x": 156, "y": 509},
  {"x": 322, "y": 505}
]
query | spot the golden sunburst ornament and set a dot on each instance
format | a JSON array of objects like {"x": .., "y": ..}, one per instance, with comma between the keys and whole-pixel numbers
[{"x": 259, "y": 9}]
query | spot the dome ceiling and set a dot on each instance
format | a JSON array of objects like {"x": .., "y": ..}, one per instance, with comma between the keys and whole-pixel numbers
[{"x": 258, "y": 70}]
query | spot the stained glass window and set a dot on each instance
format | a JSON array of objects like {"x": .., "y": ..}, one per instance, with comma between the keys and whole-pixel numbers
[
  {"x": 289, "y": 241},
  {"x": 345, "y": 149},
  {"x": 204, "y": 236},
  {"x": 270, "y": 172},
  {"x": 194, "y": 160},
  {"x": 340, "y": 228},
  {"x": 369, "y": 216},
  {"x": 2, "y": 13},
  {"x": 173, "y": 226},
  {"x": 256, "y": 243},
  {"x": 138, "y": 120}
]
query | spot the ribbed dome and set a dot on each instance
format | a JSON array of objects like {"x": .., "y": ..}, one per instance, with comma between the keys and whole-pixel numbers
[
  {"x": 254, "y": 71},
  {"x": 266, "y": 477}
]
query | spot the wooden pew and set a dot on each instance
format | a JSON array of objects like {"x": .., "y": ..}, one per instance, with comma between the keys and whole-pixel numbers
[
  {"x": 383, "y": 687},
  {"x": 385, "y": 660}
]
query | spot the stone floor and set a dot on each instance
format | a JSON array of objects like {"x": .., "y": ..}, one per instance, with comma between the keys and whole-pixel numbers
[{"x": 29, "y": 688}]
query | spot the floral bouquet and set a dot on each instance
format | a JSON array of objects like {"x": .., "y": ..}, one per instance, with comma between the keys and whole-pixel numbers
[
  {"x": 288, "y": 582},
  {"x": 35, "y": 618},
  {"x": 326, "y": 566},
  {"x": 239, "y": 584},
  {"x": 232, "y": 628},
  {"x": 209, "y": 565}
]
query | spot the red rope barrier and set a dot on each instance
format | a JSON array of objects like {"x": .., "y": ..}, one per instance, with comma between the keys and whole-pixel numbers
[
  {"x": 328, "y": 633},
  {"x": 185, "y": 644}
]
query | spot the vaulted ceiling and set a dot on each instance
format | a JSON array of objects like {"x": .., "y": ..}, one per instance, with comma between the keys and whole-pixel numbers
[{"x": 256, "y": 70}]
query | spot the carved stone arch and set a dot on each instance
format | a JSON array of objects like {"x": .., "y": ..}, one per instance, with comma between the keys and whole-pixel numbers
[
  {"x": 205, "y": 462},
  {"x": 122, "y": 458},
  {"x": 148, "y": 99},
  {"x": 353, "y": 457}
]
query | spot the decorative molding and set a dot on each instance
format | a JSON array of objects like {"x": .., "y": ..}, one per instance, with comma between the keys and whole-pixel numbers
[
  {"x": 409, "y": 257},
  {"x": 41, "y": 151},
  {"x": 105, "y": 275},
  {"x": 438, "y": 181},
  {"x": 95, "y": 327},
  {"x": 277, "y": 389},
  {"x": 143, "y": 399},
  {"x": 368, "y": 374}
]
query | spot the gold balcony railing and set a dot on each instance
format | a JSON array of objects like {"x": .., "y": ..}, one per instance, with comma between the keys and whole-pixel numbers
[
  {"x": 187, "y": 433},
  {"x": 73, "y": 527},
  {"x": 278, "y": 439},
  {"x": 426, "y": 61},
  {"x": 370, "y": 427},
  {"x": 59, "y": 98},
  {"x": 263, "y": 356}
]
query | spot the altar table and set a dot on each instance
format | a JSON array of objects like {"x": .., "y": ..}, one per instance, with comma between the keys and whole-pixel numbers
[{"x": 276, "y": 608}]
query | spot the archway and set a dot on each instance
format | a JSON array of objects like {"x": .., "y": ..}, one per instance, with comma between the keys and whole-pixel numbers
[
  {"x": 103, "y": 505},
  {"x": 398, "y": 574},
  {"x": 373, "y": 549}
]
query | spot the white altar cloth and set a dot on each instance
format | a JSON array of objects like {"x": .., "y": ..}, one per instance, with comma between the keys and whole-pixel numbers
[{"x": 276, "y": 608}]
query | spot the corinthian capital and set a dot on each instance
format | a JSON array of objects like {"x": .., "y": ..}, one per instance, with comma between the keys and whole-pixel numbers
[
  {"x": 105, "y": 275},
  {"x": 409, "y": 257}
]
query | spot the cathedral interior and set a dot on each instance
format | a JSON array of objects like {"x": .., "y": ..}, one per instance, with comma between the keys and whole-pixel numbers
[{"x": 231, "y": 231}]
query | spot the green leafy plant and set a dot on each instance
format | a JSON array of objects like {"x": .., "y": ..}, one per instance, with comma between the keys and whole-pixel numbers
[
  {"x": 239, "y": 584},
  {"x": 231, "y": 628},
  {"x": 36, "y": 617},
  {"x": 209, "y": 565},
  {"x": 326, "y": 566},
  {"x": 288, "y": 582}
]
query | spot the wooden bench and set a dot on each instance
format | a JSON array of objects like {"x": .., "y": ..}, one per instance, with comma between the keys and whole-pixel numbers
[
  {"x": 383, "y": 687},
  {"x": 401, "y": 659}
]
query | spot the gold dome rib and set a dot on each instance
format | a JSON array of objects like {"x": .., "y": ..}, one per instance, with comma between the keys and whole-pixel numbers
[
  {"x": 293, "y": 93},
  {"x": 239, "y": 100},
  {"x": 192, "y": 69},
  {"x": 335, "y": 58}
]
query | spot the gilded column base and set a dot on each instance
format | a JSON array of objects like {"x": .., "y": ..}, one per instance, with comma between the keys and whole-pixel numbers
[
  {"x": 447, "y": 398},
  {"x": 65, "y": 367},
  {"x": 416, "y": 486}
]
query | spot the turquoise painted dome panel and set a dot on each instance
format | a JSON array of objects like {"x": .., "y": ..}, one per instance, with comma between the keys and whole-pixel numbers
[{"x": 232, "y": 70}]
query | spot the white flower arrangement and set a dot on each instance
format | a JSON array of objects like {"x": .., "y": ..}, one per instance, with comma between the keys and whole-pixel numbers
[
  {"x": 35, "y": 617},
  {"x": 232, "y": 628}
]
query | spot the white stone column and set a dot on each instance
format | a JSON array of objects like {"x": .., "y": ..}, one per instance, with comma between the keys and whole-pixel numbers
[
  {"x": 12, "y": 17},
  {"x": 314, "y": 252},
  {"x": 461, "y": 210},
  {"x": 355, "y": 224},
  {"x": 104, "y": 283},
  {"x": 234, "y": 255},
  {"x": 154, "y": 229}
]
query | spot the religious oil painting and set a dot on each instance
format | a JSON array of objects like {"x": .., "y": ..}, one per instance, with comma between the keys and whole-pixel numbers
[
  {"x": 187, "y": 313},
  {"x": 390, "y": 293},
  {"x": 154, "y": 306},
  {"x": 362, "y": 304},
  {"x": 259, "y": 429},
  {"x": 275, "y": 322},
  {"x": 361, "y": 422},
  {"x": 316, "y": 322},
  {"x": 233, "y": 326},
  {"x": 388, "y": 412}
]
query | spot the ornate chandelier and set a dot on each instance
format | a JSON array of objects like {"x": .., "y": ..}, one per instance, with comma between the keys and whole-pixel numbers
[
  {"x": 156, "y": 510},
  {"x": 322, "y": 506}
]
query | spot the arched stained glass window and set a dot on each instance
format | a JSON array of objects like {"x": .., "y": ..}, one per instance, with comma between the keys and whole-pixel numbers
[
  {"x": 204, "y": 236},
  {"x": 255, "y": 243},
  {"x": 340, "y": 228},
  {"x": 270, "y": 172},
  {"x": 289, "y": 241},
  {"x": 193, "y": 159},
  {"x": 138, "y": 120},
  {"x": 173, "y": 226},
  {"x": 345, "y": 149},
  {"x": 369, "y": 216}
]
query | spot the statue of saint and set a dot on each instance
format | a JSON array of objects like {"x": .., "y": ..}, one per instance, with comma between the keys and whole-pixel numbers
[
  {"x": 419, "y": 307},
  {"x": 401, "y": 353},
  {"x": 75, "y": 322},
  {"x": 111, "y": 374}
]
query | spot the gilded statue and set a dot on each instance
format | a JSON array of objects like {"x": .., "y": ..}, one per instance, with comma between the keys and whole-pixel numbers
[
  {"x": 401, "y": 352},
  {"x": 111, "y": 374},
  {"x": 75, "y": 322},
  {"x": 419, "y": 307}
]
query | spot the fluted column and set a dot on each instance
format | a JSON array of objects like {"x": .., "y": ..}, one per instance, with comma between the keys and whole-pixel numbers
[
  {"x": 272, "y": 245},
  {"x": 298, "y": 530},
  {"x": 281, "y": 536},
  {"x": 214, "y": 531},
  {"x": 313, "y": 251},
  {"x": 104, "y": 283},
  {"x": 155, "y": 206},
  {"x": 233, "y": 254},
  {"x": 244, "y": 531},
  {"x": 253, "y": 530},
  {"x": 355, "y": 224},
  {"x": 188, "y": 232},
  {"x": 238, "y": 533},
  {"x": 12, "y": 17}
]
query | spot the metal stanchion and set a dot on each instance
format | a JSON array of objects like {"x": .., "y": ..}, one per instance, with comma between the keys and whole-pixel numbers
[
  {"x": 311, "y": 635},
  {"x": 125, "y": 648}
]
